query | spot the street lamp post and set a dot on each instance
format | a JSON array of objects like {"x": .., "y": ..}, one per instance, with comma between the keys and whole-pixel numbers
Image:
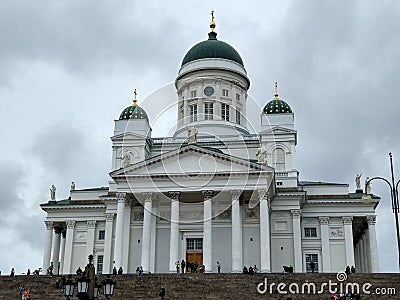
[{"x": 394, "y": 194}]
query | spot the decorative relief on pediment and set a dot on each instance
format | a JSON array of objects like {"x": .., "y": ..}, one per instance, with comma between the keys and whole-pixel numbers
[
  {"x": 251, "y": 213},
  {"x": 336, "y": 232}
]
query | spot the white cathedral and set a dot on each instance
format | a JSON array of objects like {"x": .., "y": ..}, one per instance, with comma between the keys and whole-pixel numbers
[{"x": 213, "y": 191}]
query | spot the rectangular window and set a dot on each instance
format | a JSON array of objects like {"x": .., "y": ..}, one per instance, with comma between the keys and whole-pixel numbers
[
  {"x": 100, "y": 259},
  {"x": 238, "y": 116},
  {"x": 225, "y": 92},
  {"x": 193, "y": 113},
  {"x": 237, "y": 97},
  {"x": 194, "y": 244},
  {"x": 102, "y": 234},
  {"x": 311, "y": 258},
  {"x": 208, "y": 111},
  {"x": 310, "y": 232},
  {"x": 225, "y": 111},
  {"x": 193, "y": 94}
]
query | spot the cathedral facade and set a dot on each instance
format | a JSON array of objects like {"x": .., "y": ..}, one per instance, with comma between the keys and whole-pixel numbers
[{"x": 213, "y": 191}]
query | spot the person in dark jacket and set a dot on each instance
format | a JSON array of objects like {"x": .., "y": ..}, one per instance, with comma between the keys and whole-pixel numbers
[{"x": 162, "y": 293}]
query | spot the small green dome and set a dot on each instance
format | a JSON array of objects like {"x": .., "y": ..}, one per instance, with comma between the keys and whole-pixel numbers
[
  {"x": 133, "y": 112},
  {"x": 212, "y": 48},
  {"x": 277, "y": 106}
]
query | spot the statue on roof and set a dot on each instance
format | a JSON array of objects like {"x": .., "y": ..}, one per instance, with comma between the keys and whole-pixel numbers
[
  {"x": 261, "y": 155},
  {"x": 53, "y": 192},
  {"x": 358, "y": 181},
  {"x": 72, "y": 187},
  {"x": 367, "y": 186},
  {"x": 192, "y": 135},
  {"x": 126, "y": 158}
]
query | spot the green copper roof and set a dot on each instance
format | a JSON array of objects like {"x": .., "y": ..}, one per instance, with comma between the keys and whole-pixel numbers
[
  {"x": 277, "y": 106},
  {"x": 212, "y": 48},
  {"x": 133, "y": 112}
]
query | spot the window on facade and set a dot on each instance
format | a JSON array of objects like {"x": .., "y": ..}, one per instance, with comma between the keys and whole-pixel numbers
[
  {"x": 193, "y": 113},
  {"x": 311, "y": 258},
  {"x": 100, "y": 259},
  {"x": 225, "y": 111},
  {"x": 194, "y": 244},
  {"x": 225, "y": 92},
  {"x": 237, "y": 97},
  {"x": 278, "y": 160},
  {"x": 102, "y": 234},
  {"x": 310, "y": 232},
  {"x": 208, "y": 111},
  {"x": 193, "y": 94},
  {"x": 279, "y": 183},
  {"x": 238, "y": 116}
]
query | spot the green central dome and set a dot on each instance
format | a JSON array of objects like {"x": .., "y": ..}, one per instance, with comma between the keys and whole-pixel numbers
[
  {"x": 212, "y": 48},
  {"x": 133, "y": 112}
]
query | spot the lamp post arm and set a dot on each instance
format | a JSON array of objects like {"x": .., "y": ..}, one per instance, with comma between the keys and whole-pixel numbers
[{"x": 378, "y": 177}]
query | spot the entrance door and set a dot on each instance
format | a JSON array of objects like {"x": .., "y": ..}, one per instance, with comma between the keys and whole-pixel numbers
[
  {"x": 194, "y": 251},
  {"x": 195, "y": 257}
]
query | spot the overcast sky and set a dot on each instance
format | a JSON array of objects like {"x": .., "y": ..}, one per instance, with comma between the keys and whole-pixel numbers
[{"x": 68, "y": 68}]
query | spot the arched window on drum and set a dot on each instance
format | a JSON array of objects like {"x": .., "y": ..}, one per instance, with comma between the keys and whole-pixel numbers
[{"x": 278, "y": 160}]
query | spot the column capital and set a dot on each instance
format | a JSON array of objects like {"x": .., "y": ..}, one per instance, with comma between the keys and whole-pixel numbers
[
  {"x": 296, "y": 213},
  {"x": 49, "y": 225},
  {"x": 175, "y": 195},
  {"x": 347, "y": 220},
  {"x": 324, "y": 220},
  {"x": 91, "y": 224},
  {"x": 207, "y": 195},
  {"x": 262, "y": 194},
  {"x": 235, "y": 194},
  {"x": 148, "y": 196},
  {"x": 70, "y": 224},
  {"x": 371, "y": 219},
  {"x": 109, "y": 217},
  {"x": 121, "y": 196}
]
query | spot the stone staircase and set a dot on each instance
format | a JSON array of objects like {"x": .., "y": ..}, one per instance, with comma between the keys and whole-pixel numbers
[{"x": 212, "y": 286}]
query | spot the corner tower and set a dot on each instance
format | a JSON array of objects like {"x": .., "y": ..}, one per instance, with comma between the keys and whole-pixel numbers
[{"x": 212, "y": 87}]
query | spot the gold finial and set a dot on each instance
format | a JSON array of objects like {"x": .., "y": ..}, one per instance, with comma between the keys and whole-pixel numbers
[
  {"x": 212, "y": 23},
  {"x": 276, "y": 91},
  {"x": 134, "y": 98}
]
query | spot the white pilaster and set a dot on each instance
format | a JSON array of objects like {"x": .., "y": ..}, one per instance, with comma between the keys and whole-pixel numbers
[
  {"x": 237, "y": 247},
  {"x": 146, "y": 238},
  {"x": 62, "y": 252},
  {"x": 91, "y": 229},
  {"x": 348, "y": 236},
  {"x": 326, "y": 250},
  {"x": 298, "y": 253},
  {"x": 127, "y": 233},
  {"x": 119, "y": 230},
  {"x": 174, "y": 232},
  {"x": 68, "y": 246},
  {"x": 207, "y": 231},
  {"x": 153, "y": 244},
  {"x": 47, "y": 247},
  {"x": 108, "y": 244},
  {"x": 265, "y": 241},
  {"x": 56, "y": 250}
]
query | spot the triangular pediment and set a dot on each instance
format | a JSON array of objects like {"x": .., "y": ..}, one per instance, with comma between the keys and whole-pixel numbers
[
  {"x": 188, "y": 160},
  {"x": 128, "y": 136},
  {"x": 278, "y": 130}
]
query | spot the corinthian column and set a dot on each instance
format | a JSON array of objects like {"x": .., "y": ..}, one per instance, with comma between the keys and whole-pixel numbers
[
  {"x": 108, "y": 243},
  {"x": 326, "y": 250},
  {"x": 174, "y": 232},
  {"x": 207, "y": 231},
  {"x": 298, "y": 262},
  {"x": 68, "y": 246},
  {"x": 146, "y": 238},
  {"x": 91, "y": 228},
  {"x": 373, "y": 246},
  {"x": 348, "y": 236},
  {"x": 47, "y": 247},
  {"x": 265, "y": 242},
  {"x": 119, "y": 230},
  {"x": 237, "y": 247}
]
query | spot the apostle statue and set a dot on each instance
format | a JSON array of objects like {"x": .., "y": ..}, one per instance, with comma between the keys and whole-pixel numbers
[
  {"x": 192, "y": 135},
  {"x": 261, "y": 155},
  {"x": 358, "y": 181},
  {"x": 126, "y": 158},
  {"x": 72, "y": 187},
  {"x": 367, "y": 186},
  {"x": 53, "y": 192}
]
